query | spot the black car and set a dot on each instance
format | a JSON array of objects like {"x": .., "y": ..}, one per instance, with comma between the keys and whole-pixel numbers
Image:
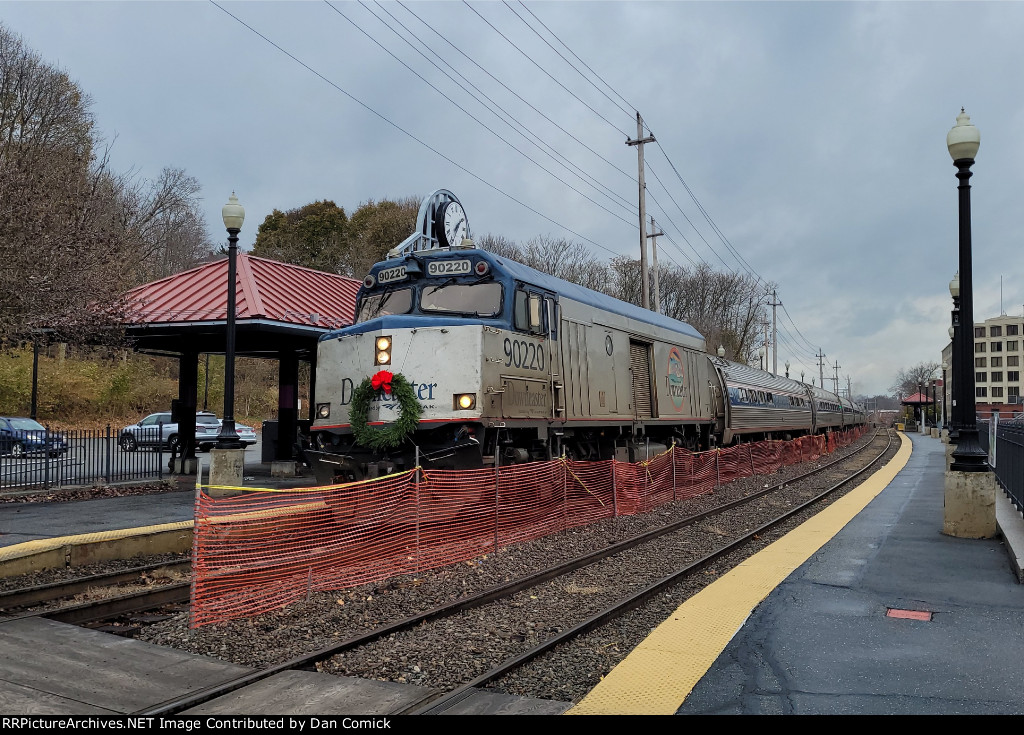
[{"x": 21, "y": 436}]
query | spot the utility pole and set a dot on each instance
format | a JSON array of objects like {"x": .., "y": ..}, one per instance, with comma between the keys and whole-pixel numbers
[
  {"x": 764, "y": 325},
  {"x": 655, "y": 234},
  {"x": 836, "y": 378},
  {"x": 775, "y": 345},
  {"x": 645, "y": 288},
  {"x": 821, "y": 367},
  {"x": 849, "y": 389}
]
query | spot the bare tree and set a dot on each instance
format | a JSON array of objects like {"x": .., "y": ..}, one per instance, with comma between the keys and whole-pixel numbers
[
  {"x": 74, "y": 235},
  {"x": 62, "y": 249},
  {"x": 908, "y": 380},
  {"x": 166, "y": 219}
]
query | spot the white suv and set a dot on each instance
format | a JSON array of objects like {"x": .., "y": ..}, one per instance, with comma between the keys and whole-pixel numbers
[{"x": 157, "y": 430}]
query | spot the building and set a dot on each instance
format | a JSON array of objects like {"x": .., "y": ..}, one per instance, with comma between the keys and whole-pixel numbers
[{"x": 998, "y": 353}]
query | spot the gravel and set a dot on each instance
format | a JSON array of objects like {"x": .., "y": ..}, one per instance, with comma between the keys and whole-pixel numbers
[{"x": 448, "y": 653}]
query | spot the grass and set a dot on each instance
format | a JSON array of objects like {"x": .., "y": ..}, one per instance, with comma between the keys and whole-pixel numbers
[{"x": 90, "y": 389}]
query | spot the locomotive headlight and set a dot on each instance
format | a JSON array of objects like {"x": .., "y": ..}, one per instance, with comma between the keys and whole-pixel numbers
[
  {"x": 464, "y": 401},
  {"x": 382, "y": 356},
  {"x": 323, "y": 410}
]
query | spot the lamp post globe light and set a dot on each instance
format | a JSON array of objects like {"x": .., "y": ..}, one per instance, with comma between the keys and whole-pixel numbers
[
  {"x": 963, "y": 142},
  {"x": 233, "y": 214}
]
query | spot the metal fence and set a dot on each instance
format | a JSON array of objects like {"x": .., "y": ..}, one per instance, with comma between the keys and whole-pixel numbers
[
  {"x": 82, "y": 457},
  {"x": 1009, "y": 459}
]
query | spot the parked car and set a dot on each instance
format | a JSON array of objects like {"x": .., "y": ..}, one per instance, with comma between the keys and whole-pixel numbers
[
  {"x": 246, "y": 435},
  {"x": 21, "y": 436},
  {"x": 157, "y": 430},
  {"x": 147, "y": 433}
]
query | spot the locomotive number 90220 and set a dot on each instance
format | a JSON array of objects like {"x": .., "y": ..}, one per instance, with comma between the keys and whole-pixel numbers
[{"x": 523, "y": 354}]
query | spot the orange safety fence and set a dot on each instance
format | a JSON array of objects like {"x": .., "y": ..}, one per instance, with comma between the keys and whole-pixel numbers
[{"x": 264, "y": 549}]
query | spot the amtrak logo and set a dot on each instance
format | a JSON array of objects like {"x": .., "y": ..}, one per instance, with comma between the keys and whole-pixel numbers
[{"x": 676, "y": 379}]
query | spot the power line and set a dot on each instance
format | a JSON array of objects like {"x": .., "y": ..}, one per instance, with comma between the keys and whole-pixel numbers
[
  {"x": 628, "y": 112},
  {"x": 504, "y": 115},
  {"x": 405, "y": 132},
  {"x": 517, "y": 96},
  {"x": 471, "y": 115},
  {"x": 629, "y": 105},
  {"x": 545, "y": 71}
]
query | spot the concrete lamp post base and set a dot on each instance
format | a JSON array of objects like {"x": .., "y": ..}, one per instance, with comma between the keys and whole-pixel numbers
[
  {"x": 226, "y": 469},
  {"x": 969, "y": 507}
]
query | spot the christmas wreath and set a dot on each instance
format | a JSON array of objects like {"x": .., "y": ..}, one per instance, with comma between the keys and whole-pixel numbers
[{"x": 392, "y": 434}]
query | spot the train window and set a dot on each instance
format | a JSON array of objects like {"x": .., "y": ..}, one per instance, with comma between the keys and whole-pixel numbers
[
  {"x": 536, "y": 314},
  {"x": 479, "y": 299},
  {"x": 374, "y": 305},
  {"x": 522, "y": 321}
]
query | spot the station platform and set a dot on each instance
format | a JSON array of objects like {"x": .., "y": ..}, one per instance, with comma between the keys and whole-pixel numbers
[{"x": 865, "y": 609}]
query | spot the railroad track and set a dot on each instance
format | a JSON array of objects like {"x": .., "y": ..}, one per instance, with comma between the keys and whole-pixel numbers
[
  {"x": 59, "y": 600},
  {"x": 325, "y": 659}
]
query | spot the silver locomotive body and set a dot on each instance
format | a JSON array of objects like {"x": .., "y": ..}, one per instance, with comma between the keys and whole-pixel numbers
[{"x": 511, "y": 365}]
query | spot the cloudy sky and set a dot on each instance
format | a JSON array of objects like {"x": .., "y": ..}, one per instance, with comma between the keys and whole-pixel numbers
[{"x": 811, "y": 134}]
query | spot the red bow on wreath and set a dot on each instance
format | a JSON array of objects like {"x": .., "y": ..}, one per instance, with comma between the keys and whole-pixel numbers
[{"x": 382, "y": 380}]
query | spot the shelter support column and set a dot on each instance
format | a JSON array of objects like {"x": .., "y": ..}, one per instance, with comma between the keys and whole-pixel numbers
[
  {"x": 188, "y": 390},
  {"x": 287, "y": 414}
]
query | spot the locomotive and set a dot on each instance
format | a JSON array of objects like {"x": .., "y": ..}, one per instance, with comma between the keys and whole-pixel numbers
[{"x": 510, "y": 365}]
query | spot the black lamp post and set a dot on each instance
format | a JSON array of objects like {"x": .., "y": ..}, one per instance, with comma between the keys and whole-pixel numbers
[
  {"x": 233, "y": 215},
  {"x": 920, "y": 403},
  {"x": 945, "y": 416},
  {"x": 963, "y": 142}
]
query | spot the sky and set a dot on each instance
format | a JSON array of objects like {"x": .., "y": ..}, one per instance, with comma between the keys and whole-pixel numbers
[{"x": 802, "y": 142}]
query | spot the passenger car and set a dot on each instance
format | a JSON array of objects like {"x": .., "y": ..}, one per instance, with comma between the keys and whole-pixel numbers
[{"x": 21, "y": 436}]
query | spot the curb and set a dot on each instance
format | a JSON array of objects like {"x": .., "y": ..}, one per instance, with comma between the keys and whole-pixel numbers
[{"x": 74, "y": 551}]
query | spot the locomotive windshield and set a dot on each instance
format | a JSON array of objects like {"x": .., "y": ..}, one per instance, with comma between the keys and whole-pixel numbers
[
  {"x": 398, "y": 301},
  {"x": 481, "y": 299}
]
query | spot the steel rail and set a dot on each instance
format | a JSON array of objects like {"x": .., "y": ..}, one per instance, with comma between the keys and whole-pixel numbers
[
  {"x": 446, "y": 701},
  {"x": 28, "y": 596},
  {"x": 308, "y": 661}
]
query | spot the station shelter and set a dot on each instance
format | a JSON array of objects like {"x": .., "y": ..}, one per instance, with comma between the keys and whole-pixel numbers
[
  {"x": 919, "y": 402},
  {"x": 281, "y": 312}
]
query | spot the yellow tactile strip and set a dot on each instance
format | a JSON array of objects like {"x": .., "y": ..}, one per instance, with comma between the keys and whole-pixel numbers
[
  {"x": 40, "y": 546},
  {"x": 660, "y": 672}
]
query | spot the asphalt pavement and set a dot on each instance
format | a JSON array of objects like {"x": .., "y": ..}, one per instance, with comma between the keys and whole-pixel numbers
[{"x": 825, "y": 641}]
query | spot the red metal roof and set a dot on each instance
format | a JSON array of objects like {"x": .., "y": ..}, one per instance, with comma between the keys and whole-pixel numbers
[
  {"x": 917, "y": 398},
  {"x": 266, "y": 289}
]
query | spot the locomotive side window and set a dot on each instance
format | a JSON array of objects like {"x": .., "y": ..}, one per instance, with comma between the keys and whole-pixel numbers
[
  {"x": 536, "y": 314},
  {"x": 521, "y": 320},
  {"x": 529, "y": 312}
]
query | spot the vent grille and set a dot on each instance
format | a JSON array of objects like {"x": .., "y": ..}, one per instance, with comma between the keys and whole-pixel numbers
[{"x": 640, "y": 363}]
